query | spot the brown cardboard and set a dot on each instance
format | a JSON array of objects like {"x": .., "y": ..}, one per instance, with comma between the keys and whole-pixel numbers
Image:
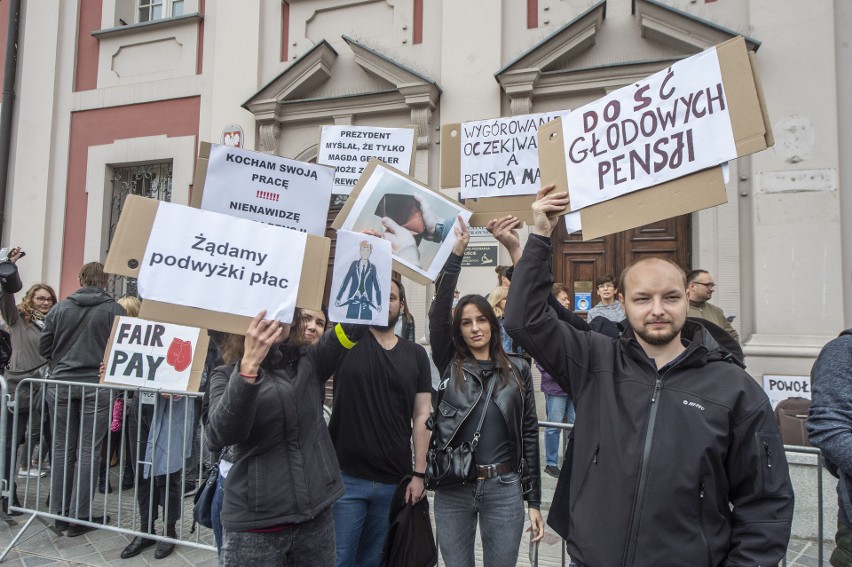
[
  {"x": 199, "y": 354},
  {"x": 128, "y": 248},
  {"x": 700, "y": 190},
  {"x": 486, "y": 208},
  {"x": 353, "y": 196}
]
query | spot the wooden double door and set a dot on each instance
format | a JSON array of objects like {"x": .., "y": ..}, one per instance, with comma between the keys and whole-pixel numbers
[{"x": 578, "y": 262}]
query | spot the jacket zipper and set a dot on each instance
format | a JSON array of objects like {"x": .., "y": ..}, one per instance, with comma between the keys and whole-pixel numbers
[
  {"x": 701, "y": 521},
  {"x": 768, "y": 450},
  {"x": 633, "y": 526},
  {"x": 586, "y": 476},
  {"x": 453, "y": 436}
]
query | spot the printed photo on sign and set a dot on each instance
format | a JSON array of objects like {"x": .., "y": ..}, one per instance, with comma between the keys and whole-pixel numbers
[
  {"x": 499, "y": 157},
  {"x": 669, "y": 125},
  {"x": 360, "y": 286},
  {"x": 212, "y": 261},
  {"x": 416, "y": 221},
  {"x": 267, "y": 188},
  {"x": 149, "y": 354},
  {"x": 349, "y": 149}
]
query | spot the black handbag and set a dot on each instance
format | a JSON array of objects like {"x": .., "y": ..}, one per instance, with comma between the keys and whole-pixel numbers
[
  {"x": 452, "y": 466},
  {"x": 202, "y": 508}
]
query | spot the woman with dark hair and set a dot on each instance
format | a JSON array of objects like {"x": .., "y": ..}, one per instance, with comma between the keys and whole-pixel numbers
[
  {"x": 485, "y": 397},
  {"x": 405, "y": 324},
  {"x": 25, "y": 323},
  {"x": 282, "y": 474}
]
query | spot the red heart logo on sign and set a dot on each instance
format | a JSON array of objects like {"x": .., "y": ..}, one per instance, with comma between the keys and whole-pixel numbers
[{"x": 179, "y": 354}]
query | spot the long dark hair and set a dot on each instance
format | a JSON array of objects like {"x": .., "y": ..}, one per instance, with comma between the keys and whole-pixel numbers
[
  {"x": 233, "y": 345},
  {"x": 495, "y": 344}
]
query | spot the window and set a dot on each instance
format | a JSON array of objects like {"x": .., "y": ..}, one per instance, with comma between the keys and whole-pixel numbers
[{"x": 150, "y": 10}]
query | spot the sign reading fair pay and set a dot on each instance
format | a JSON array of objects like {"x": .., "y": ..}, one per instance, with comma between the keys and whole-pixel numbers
[{"x": 221, "y": 263}]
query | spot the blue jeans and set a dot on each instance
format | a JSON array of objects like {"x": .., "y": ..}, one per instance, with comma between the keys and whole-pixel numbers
[
  {"x": 216, "y": 509},
  {"x": 498, "y": 505},
  {"x": 361, "y": 521},
  {"x": 560, "y": 409},
  {"x": 309, "y": 543}
]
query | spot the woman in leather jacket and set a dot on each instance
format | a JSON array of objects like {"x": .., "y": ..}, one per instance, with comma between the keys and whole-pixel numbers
[
  {"x": 467, "y": 350},
  {"x": 283, "y": 476}
]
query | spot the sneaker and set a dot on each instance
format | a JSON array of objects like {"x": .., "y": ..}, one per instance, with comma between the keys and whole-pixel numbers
[
  {"x": 32, "y": 473},
  {"x": 552, "y": 470}
]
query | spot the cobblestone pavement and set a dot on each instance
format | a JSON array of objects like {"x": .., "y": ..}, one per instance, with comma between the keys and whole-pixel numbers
[{"x": 40, "y": 546}]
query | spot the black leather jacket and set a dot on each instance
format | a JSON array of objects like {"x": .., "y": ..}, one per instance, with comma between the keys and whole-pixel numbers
[{"x": 460, "y": 396}]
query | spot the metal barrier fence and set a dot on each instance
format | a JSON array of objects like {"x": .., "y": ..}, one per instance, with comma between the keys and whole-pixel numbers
[
  {"x": 787, "y": 449},
  {"x": 152, "y": 436}
]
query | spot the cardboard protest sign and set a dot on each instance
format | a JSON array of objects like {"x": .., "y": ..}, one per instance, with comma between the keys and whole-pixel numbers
[
  {"x": 236, "y": 267},
  {"x": 361, "y": 282},
  {"x": 736, "y": 94},
  {"x": 262, "y": 187},
  {"x": 779, "y": 388},
  {"x": 417, "y": 221},
  {"x": 349, "y": 149},
  {"x": 151, "y": 354},
  {"x": 494, "y": 158}
]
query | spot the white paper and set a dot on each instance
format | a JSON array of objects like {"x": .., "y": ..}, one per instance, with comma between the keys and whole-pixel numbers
[
  {"x": 150, "y": 354},
  {"x": 671, "y": 124},
  {"x": 572, "y": 222},
  {"x": 779, "y": 387},
  {"x": 221, "y": 263},
  {"x": 434, "y": 217},
  {"x": 360, "y": 285},
  {"x": 268, "y": 189},
  {"x": 349, "y": 149},
  {"x": 499, "y": 157}
]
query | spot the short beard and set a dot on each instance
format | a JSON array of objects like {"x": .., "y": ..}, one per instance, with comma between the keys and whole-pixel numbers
[
  {"x": 658, "y": 339},
  {"x": 392, "y": 320}
]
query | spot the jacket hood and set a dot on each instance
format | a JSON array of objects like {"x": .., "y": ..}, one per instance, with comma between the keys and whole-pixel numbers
[
  {"x": 714, "y": 342},
  {"x": 89, "y": 296}
]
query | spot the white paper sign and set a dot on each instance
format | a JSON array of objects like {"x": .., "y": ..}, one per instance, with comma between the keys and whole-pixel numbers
[
  {"x": 779, "y": 388},
  {"x": 212, "y": 261},
  {"x": 349, "y": 149},
  {"x": 151, "y": 354},
  {"x": 499, "y": 157},
  {"x": 360, "y": 286},
  {"x": 671, "y": 124},
  {"x": 573, "y": 223},
  {"x": 416, "y": 221},
  {"x": 269, "y": 189}
]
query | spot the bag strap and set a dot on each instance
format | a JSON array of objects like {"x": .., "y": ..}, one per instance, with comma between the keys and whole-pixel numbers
[
  {"x": 475, "y": 441},
  {"x": 74, "y": 337}
]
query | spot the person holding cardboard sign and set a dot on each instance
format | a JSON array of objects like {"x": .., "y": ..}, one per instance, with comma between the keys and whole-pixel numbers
[
  {"x": 283, "y": 477},
  {"x": 676, "y": 457},
  {"x": 485, "y": 401}
]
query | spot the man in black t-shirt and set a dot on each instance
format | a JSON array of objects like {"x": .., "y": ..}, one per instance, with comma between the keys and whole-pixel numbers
[{"x": 381, "y": 386}]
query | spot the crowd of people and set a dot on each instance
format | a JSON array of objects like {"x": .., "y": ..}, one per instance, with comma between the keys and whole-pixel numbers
[{"x": 674, "y": 451}]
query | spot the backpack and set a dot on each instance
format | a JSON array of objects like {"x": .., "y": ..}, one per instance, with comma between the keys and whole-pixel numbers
[{"x": 791, "y": 414}]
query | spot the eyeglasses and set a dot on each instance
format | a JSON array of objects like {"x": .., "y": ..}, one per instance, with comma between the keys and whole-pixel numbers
[
  {"x": 43, "y": 299},
  {"x": 709, "y": 285},
  {"x": 606, "y": 286}
]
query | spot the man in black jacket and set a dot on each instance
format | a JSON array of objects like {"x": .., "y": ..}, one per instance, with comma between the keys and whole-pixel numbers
[
  {"x": 677, "y": 459},
  {"x": 74, "y": 337}
]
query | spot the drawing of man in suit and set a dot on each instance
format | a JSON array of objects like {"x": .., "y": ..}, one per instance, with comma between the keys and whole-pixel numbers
[{"x": 361, "y": 287}]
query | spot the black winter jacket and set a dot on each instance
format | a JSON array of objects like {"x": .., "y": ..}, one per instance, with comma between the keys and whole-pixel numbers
[
  {"x": 460, "y": 396},
  {"x": 285, "y": 470},
  {"x": 681, "y": 468},
  {"x": 82, "y": 358}
]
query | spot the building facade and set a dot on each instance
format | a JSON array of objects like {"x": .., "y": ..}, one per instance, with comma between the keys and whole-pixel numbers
[{"x": 114, "y": 96}]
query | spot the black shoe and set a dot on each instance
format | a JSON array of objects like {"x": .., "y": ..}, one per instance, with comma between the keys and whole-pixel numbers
[
  {"x": 137, "y": 546},
  {"x": 189, "y": 489},
  {"x": 127, "y": 478},
  {"x": 75, "y": 530},
  {"x": 60, "y": 525},
  {"x": 103, "y": 482},
  {"x": 552, "y": 470},
  {"x": 164, "y": 549},
  {"x": 5, "y": 507}
]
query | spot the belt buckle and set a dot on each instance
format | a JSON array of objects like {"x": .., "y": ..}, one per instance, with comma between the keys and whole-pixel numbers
[{"x": 484, "y": 472}]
